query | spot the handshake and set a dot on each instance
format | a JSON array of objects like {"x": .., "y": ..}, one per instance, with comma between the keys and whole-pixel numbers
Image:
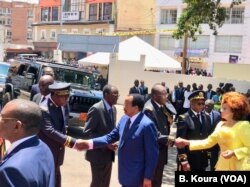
[
  {"x": 171, "y": 141},
  {"x": 82, "y": 145},
  {"x": 181, "y": 143}
]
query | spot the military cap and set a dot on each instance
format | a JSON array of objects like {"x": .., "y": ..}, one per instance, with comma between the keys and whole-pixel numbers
[
  {"x": 60, "y": 88},
  {"x": 198, "y": 94}
]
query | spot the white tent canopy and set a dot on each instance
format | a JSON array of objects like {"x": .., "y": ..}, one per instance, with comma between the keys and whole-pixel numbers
[
  {"x": 131, "y": 50},
  {"x": 98, "y": 59}
]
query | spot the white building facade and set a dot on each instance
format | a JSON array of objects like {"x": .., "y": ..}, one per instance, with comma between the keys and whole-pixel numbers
[{"x": 232, "y": 43}]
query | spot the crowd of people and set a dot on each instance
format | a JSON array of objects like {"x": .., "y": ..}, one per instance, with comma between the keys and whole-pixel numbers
[{"x": 205, "y": 133}]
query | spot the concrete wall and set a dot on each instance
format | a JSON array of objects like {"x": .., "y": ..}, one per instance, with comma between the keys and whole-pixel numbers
[
  {"x": 232, "y": 71},
  {"x": 123, "y": 73}
]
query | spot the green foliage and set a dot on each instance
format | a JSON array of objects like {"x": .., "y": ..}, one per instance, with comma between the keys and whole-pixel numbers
[{"x": 200, "y": 12}]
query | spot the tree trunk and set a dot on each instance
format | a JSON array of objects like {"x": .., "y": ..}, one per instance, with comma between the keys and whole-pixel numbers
[{"x": 184, "y": 54}]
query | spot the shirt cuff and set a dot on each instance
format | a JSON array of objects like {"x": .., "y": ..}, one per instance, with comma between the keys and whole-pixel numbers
[{"x": 91, "y": 144}]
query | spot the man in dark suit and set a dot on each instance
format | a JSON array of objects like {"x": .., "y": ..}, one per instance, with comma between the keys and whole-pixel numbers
[
  {"x": 210, "y": 93},
  {"x": 137, "y": 149},
  {"x": 215, "y": 118},
  {"x": 35, "y": 88},
  {"x": 179, "y": 94},
  {"x": 144, "y": 90},
  {"x": 100, "y": 121},
  {"x": 55, "y": 113},
  {"x": 194, "y": 125},
  {"x": 135, "y": 88},
  {"x": 29, "y": 161},
  {"x": 44, "y": 83},
  {"x": 155, "y": 109}
]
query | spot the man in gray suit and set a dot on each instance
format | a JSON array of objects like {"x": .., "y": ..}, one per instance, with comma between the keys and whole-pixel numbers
[
  {"x": 43, "y": 84},
  {"x": 100, "y": 121}
]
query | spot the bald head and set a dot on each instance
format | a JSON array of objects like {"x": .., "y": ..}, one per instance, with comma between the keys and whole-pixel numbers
[
  {"x": 44, "y": 83},
  {"x": 48, "y": 71},
  {"x": 25, "y": 119},
  {"x": 159, "y": 94}
]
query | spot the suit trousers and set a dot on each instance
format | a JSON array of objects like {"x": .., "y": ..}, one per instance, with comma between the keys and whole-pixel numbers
[
  {"x": 101, "y": 174},
  {"x": 58, "y": 176},
  {"x": 157, "y": 180}
]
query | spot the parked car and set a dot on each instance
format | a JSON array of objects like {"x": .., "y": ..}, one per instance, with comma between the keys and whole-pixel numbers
[
  {"x": 83, "y": 92},
  {"x": 4, "y": 70}
]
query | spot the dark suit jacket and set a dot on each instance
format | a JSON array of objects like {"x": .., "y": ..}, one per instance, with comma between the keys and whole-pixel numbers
[
  {"x": 98, "y": 124},
  {"x": 191, "y": 128},
  {"x": 53, "y": 130},
  {"x": 162, "y": 125},
  {"x": 216, "y": 119},
  {"x": 34, "y": 90},
  {"x": 133, "y": 90},
  {"x": 137, "y": 153},
  {"x": 29, "y": 164}
]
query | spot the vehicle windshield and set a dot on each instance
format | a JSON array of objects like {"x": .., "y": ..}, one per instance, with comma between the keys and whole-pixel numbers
[
  {"x": 83, "y": 79},
  {"x": 4, "y": 69}
]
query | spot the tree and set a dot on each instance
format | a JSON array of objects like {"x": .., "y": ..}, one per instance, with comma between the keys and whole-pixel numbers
[{"x": 196, "y": 13}]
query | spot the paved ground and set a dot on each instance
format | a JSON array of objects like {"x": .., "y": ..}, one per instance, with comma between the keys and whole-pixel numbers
[{"x": 76, "y": 170}]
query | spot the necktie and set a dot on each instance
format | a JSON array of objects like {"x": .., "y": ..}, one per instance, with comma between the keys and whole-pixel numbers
[
  {"x": 138, "y": 89},
  {"x": 126, "y": 129},
  {"x": 212, "y": 118},
  {"x": 111, "y": 114},
  {"x": 199, "y": 117},
  {"x": 43, "y": 98}
]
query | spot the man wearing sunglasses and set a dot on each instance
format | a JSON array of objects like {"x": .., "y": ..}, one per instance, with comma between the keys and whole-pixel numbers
[
  {"x": 28, "y": 161},
  {"x": 195, "y": 124}
]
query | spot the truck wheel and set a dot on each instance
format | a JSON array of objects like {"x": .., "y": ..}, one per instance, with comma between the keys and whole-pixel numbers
[{"x": 6, "y": 98}]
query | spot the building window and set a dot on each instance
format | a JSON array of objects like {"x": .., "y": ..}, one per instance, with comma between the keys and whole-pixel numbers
[
  {"x": 235, "y": 15},
  {"x": 9, "y": 34},
  {"x": 77, "y": 5},
  {"x": 43, "y": 35},
  {"x": 107, "y": 11},
  {"x": 202, "y": 42},
  {"x": 29, "y": 35},
  {"x": 92, "y": 12},
  {"x": 30, "y": 13},
  {"x": 8, "y": 21},
  {"x": 2, "y": 21},
  {"x": 168, "y": 16},
  {"x": 8, "y": 11},
  {"x": 55, "y": 13},
  {"x": 66, "y": 6},
  {"x": 29, "y": 23},
  {"x": 166, "y": 42},
  {"x": 53, "y": 34},
  {"x": 45, "y": 14},
  {"x": 228, "y": 44}
]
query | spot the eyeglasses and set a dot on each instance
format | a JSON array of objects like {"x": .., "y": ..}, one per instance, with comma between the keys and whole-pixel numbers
[
  {"x": 1, "y": 117},
  {"x": 200, "y": 104},
  {"x": 115, "y": 95}
]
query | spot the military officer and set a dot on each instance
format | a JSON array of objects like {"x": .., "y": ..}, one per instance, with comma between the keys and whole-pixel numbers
[
  {"x": 55, "y": 113},
  {"x": 195, "y": 125}
]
